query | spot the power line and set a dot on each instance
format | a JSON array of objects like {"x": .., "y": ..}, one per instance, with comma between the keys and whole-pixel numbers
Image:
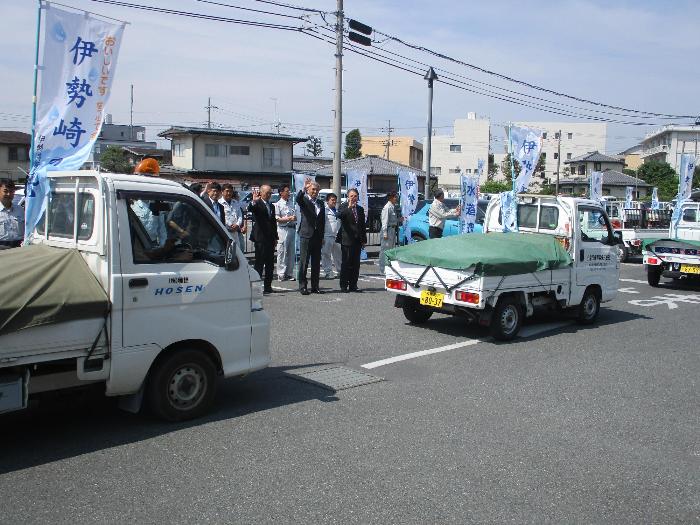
[{"x": 262, "y": 11}]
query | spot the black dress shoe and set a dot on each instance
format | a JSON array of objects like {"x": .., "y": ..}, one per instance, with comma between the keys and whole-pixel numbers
[
  {"x": 315, "y": 290},
  {"x": 304, "y": 291},
  {"x": 267, "y": 291},
  {"x": 345, "y": 290},
  {"x": 355, "y": 289}
]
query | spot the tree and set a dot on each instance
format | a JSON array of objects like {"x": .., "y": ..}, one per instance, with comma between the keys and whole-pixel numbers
[
  {"x": 492, "y": 186},
  {"x": 661, "y": 175},
  {"x": 629, "y": 172},
  {"x": 353, "y": 144},
  {"x": 114, "y": 159},
  {"x": 313, "y": 147},
  {"x": 492, "y": 168},
  {"x": 541, "y": 164},
  {"x": 505, "y": 168}
]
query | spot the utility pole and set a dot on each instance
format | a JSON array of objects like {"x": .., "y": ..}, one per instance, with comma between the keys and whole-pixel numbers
[
  {"x": 277, "y": 116},
  {"x": 388, "y": 141},
  {"x": 556, "y": 188},
  {"x": 430, "y": 76},
  {"x": 209, "y": 107},
  {"x": 131, "y": 115},
  {"x": 338, "y": 131}
]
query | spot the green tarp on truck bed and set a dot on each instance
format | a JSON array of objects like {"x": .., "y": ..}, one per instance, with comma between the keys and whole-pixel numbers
[
  {"x": 41, "y": 285},
  {"x": 491, "y": 254}
]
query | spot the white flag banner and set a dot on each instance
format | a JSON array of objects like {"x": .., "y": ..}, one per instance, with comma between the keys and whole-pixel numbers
[
  {"x": 300, "y": 180},
  {"x": 408, "y": 189},
  {"x": 525, "y": 145},
  {"x": 655, "y": 199},
  {"x": 358, "y": 180},
  {"x": 79, "y": 64},
  {"x": 596, "y": 186},
  {"x": 628, "y": 197},
  {"x": 469, "y": 197},
  {"x": 509, "y": 211},
  {"x": 685, "y": 178}
]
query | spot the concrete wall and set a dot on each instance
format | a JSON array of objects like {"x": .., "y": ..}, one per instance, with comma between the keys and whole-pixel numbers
[{"x": 8, "y": 168}]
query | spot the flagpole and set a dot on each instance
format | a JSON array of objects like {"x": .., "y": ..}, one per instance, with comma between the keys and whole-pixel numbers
[
  {"x": 510, "y": 147},
  {"x": 36, "y": 75}
]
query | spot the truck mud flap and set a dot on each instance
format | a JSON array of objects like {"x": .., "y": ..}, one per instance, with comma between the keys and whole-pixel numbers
[{"x": 399, "y": 301}]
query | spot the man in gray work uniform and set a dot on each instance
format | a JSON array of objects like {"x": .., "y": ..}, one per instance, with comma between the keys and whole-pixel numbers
[
  {"x": 387, "y": 234},
  {"x": 11, "y": 217}
]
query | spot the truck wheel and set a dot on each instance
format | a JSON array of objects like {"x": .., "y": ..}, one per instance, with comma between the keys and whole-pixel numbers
[
  {"x": 622, "y": 253},
  {"x": 417, "y": 236},
  {"x": 415, "y": 313},
  {"x": 182, "y": 386},
  {"x": 589, "y": 308},
  {"x": 654, "y": 275},
  {"x": 507, "y": 319}
]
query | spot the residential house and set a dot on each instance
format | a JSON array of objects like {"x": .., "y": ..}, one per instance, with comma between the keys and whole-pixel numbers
[
  {"x": 242, "y": 158},
  {"x": 633, "y": 157},
  {"x": 614, "y": 185},
  {"x": 381, "y": 173},
  {"x": 404, "y": 150},
  {"x": 668, "y": 143},
  {"x": 119, "y": 135},
  {"x": 584, "y": 165},
  {"x": 14, "y": 154}
]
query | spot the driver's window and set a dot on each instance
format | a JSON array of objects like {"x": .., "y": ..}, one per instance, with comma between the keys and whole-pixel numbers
[
  {"x": 594, "y": 226},
  {"x": 172, "y": 229}
]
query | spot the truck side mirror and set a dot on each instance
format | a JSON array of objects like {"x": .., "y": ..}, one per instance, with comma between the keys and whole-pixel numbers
[
  {"x": 231, "y": 259},
  {"x": 617, "y": 237}
]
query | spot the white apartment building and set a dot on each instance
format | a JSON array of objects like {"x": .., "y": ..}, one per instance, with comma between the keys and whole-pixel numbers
[
  {"x": 450, "y": 154},
  {"x": 567, "y": 140},
  {"x": 668, "y": 143}
]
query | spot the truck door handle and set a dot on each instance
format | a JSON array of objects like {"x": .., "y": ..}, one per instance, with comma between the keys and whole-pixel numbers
[
  {"x": 580, "y": 255},
  {"x": 138, "y": 283}
]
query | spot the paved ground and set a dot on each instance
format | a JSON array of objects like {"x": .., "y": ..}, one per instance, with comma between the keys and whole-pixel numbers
[{"x": 567, "y": 424}]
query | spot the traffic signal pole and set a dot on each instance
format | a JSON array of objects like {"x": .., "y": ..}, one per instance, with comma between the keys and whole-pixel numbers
[{"x": 338, "y": 131}]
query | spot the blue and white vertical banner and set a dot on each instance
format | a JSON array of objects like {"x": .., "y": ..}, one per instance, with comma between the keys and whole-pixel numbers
[
  {"x": 509, "y": 211},
  {"x": 408, "y": 190},
  {"x": 525, "y": 147},
  {"x": 655, "y": 199},
  {"x": 299, "y": 180},
  {"x": 79, "y": 63},
  {"x": 469, "y": 186},
  {"x": 628, "y": 197},
  {"x": 685, "y": 178},
  {"x": 596, "y": 186},
  {"x": 358, "y": 180}
]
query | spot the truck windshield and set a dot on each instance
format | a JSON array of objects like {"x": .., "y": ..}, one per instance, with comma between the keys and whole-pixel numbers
[
  {"x": 595, "y": 226},
  {"x": 61, "y": 214}
]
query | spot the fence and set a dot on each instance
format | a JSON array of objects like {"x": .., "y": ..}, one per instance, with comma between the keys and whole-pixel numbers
[{"x": 645, "y": 218}]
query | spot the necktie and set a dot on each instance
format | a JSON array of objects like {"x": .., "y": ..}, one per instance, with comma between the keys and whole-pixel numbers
[{"x": 354, "y": 213}]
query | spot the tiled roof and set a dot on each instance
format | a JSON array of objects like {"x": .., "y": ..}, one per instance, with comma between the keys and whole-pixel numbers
[
  {"x": 610, "y": 178},
  {"x": 372, "y": 165},
  {"x": 145, "y": 151},
  {"x": 180, "y": 130},
  {"x": 15, "y": 137},
  {"x": 594, "y": 156}
]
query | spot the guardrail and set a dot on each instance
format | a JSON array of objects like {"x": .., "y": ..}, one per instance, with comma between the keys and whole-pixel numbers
[{"x": 644, "y": 218}]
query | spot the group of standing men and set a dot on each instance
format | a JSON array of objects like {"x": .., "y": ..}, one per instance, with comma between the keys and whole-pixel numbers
[{"x": 328, "y": 235}]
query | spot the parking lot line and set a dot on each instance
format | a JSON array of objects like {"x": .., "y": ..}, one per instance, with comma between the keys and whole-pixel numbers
[
  {"x": 421, "y": 353},
  {"x": 633, "y": 281}
]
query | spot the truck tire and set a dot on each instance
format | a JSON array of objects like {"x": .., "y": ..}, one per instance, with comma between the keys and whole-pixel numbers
[
  {"x": 589, "y": 308},
  {"x": 414, "y": 312},
  {"x": 507, "y": 319},
  {"x": 417, "y": 236},
  {"x": 182, "y": 386},
  {"x": 654, "y": 275}
]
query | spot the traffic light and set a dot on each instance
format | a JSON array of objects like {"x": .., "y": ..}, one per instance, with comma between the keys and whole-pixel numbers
[{"x": 360, "y": 28}]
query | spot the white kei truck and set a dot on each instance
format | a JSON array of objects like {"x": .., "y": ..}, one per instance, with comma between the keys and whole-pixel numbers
[
  {"x": 132, "y": 282},
  {"x": 563, "y": 257},
  {"x": 678, "y": 255}
]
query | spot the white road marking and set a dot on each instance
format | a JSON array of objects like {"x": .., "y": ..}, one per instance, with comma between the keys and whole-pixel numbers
[
  {"x": 669, "y": 299},
  {"x": 627, "y": 290},
  {"x": 375, "y": 277},
  {"x": 633, "y": 281},
  {"x": 527, "y": 331},
  {"x": 421, "y": 353}
]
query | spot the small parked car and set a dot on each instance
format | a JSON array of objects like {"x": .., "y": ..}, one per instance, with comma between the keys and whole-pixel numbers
[{"x": 418, "y": 223}]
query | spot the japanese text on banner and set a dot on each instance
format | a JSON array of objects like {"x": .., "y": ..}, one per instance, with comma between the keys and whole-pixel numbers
[
  {"x": 526, "y": 145},
  {"x": 358, "y": 180},
  {"x": 469, "y": 199},
  {"x": 408, "y": 188}
]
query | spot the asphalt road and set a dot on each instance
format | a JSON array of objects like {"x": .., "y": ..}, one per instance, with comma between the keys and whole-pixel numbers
[{"x": 566, "y": 425}]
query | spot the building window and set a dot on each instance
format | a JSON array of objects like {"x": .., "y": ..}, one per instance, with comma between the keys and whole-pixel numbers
[
  {"x": 456, "y": 148},
  {"x": 272, "y": 158},
  {"x": 214, "y": 150},
  {"x": 436, "y": 171},
  {"x": 544, "y": 155},
  {"x": 568, "y": 156},
  {"x": 569, "y": 136},
  {"x": 239, "y": 150},
  {"x": 596, "y": 166},
  {"x": 544, "y": 135},
  {"x": 556, "y": 156},
  {"x": 557, "y": 135},
  {"x": 582, "y": 170},
  {"x": 178, "y": 150},
  {"x": 18, "y": 153},
  {"x": 454, "y": 171}
]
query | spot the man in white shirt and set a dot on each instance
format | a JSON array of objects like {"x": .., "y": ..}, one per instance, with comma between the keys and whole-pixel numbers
[
  {"x": 233, "y": 216},
  {"x": 331, "y": 253},
  {"x": 437, "y": 214},
  {"x": 11, "y": 217},
  {"x": 387, "y": 233},
  {"x": 286, "y": 235}
]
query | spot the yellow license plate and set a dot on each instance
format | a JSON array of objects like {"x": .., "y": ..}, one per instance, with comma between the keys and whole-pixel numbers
[
  {"x": 687, "y": 268},
  {"x": 434, "y": 299}
]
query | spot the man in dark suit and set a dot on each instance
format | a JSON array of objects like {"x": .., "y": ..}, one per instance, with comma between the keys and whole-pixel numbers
[
  {"x": 353, "y": 237},
  {"x": 212, "y": 200},
  {"x": 264, "y": 234},
  {"x": 311, "y": 228}
]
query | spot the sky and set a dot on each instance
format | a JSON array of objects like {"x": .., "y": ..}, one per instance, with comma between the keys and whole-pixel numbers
[{"x": 634, "y": 54}]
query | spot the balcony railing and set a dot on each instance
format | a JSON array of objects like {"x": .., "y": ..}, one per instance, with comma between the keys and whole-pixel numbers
[{"x": 661, "y": 148}]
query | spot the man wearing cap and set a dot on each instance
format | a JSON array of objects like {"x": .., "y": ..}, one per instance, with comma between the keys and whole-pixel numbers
[{"x": 11, "y": 217}]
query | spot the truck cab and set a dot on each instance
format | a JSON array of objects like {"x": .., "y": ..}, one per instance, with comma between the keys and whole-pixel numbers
[{"x": 184, "y": 306}]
